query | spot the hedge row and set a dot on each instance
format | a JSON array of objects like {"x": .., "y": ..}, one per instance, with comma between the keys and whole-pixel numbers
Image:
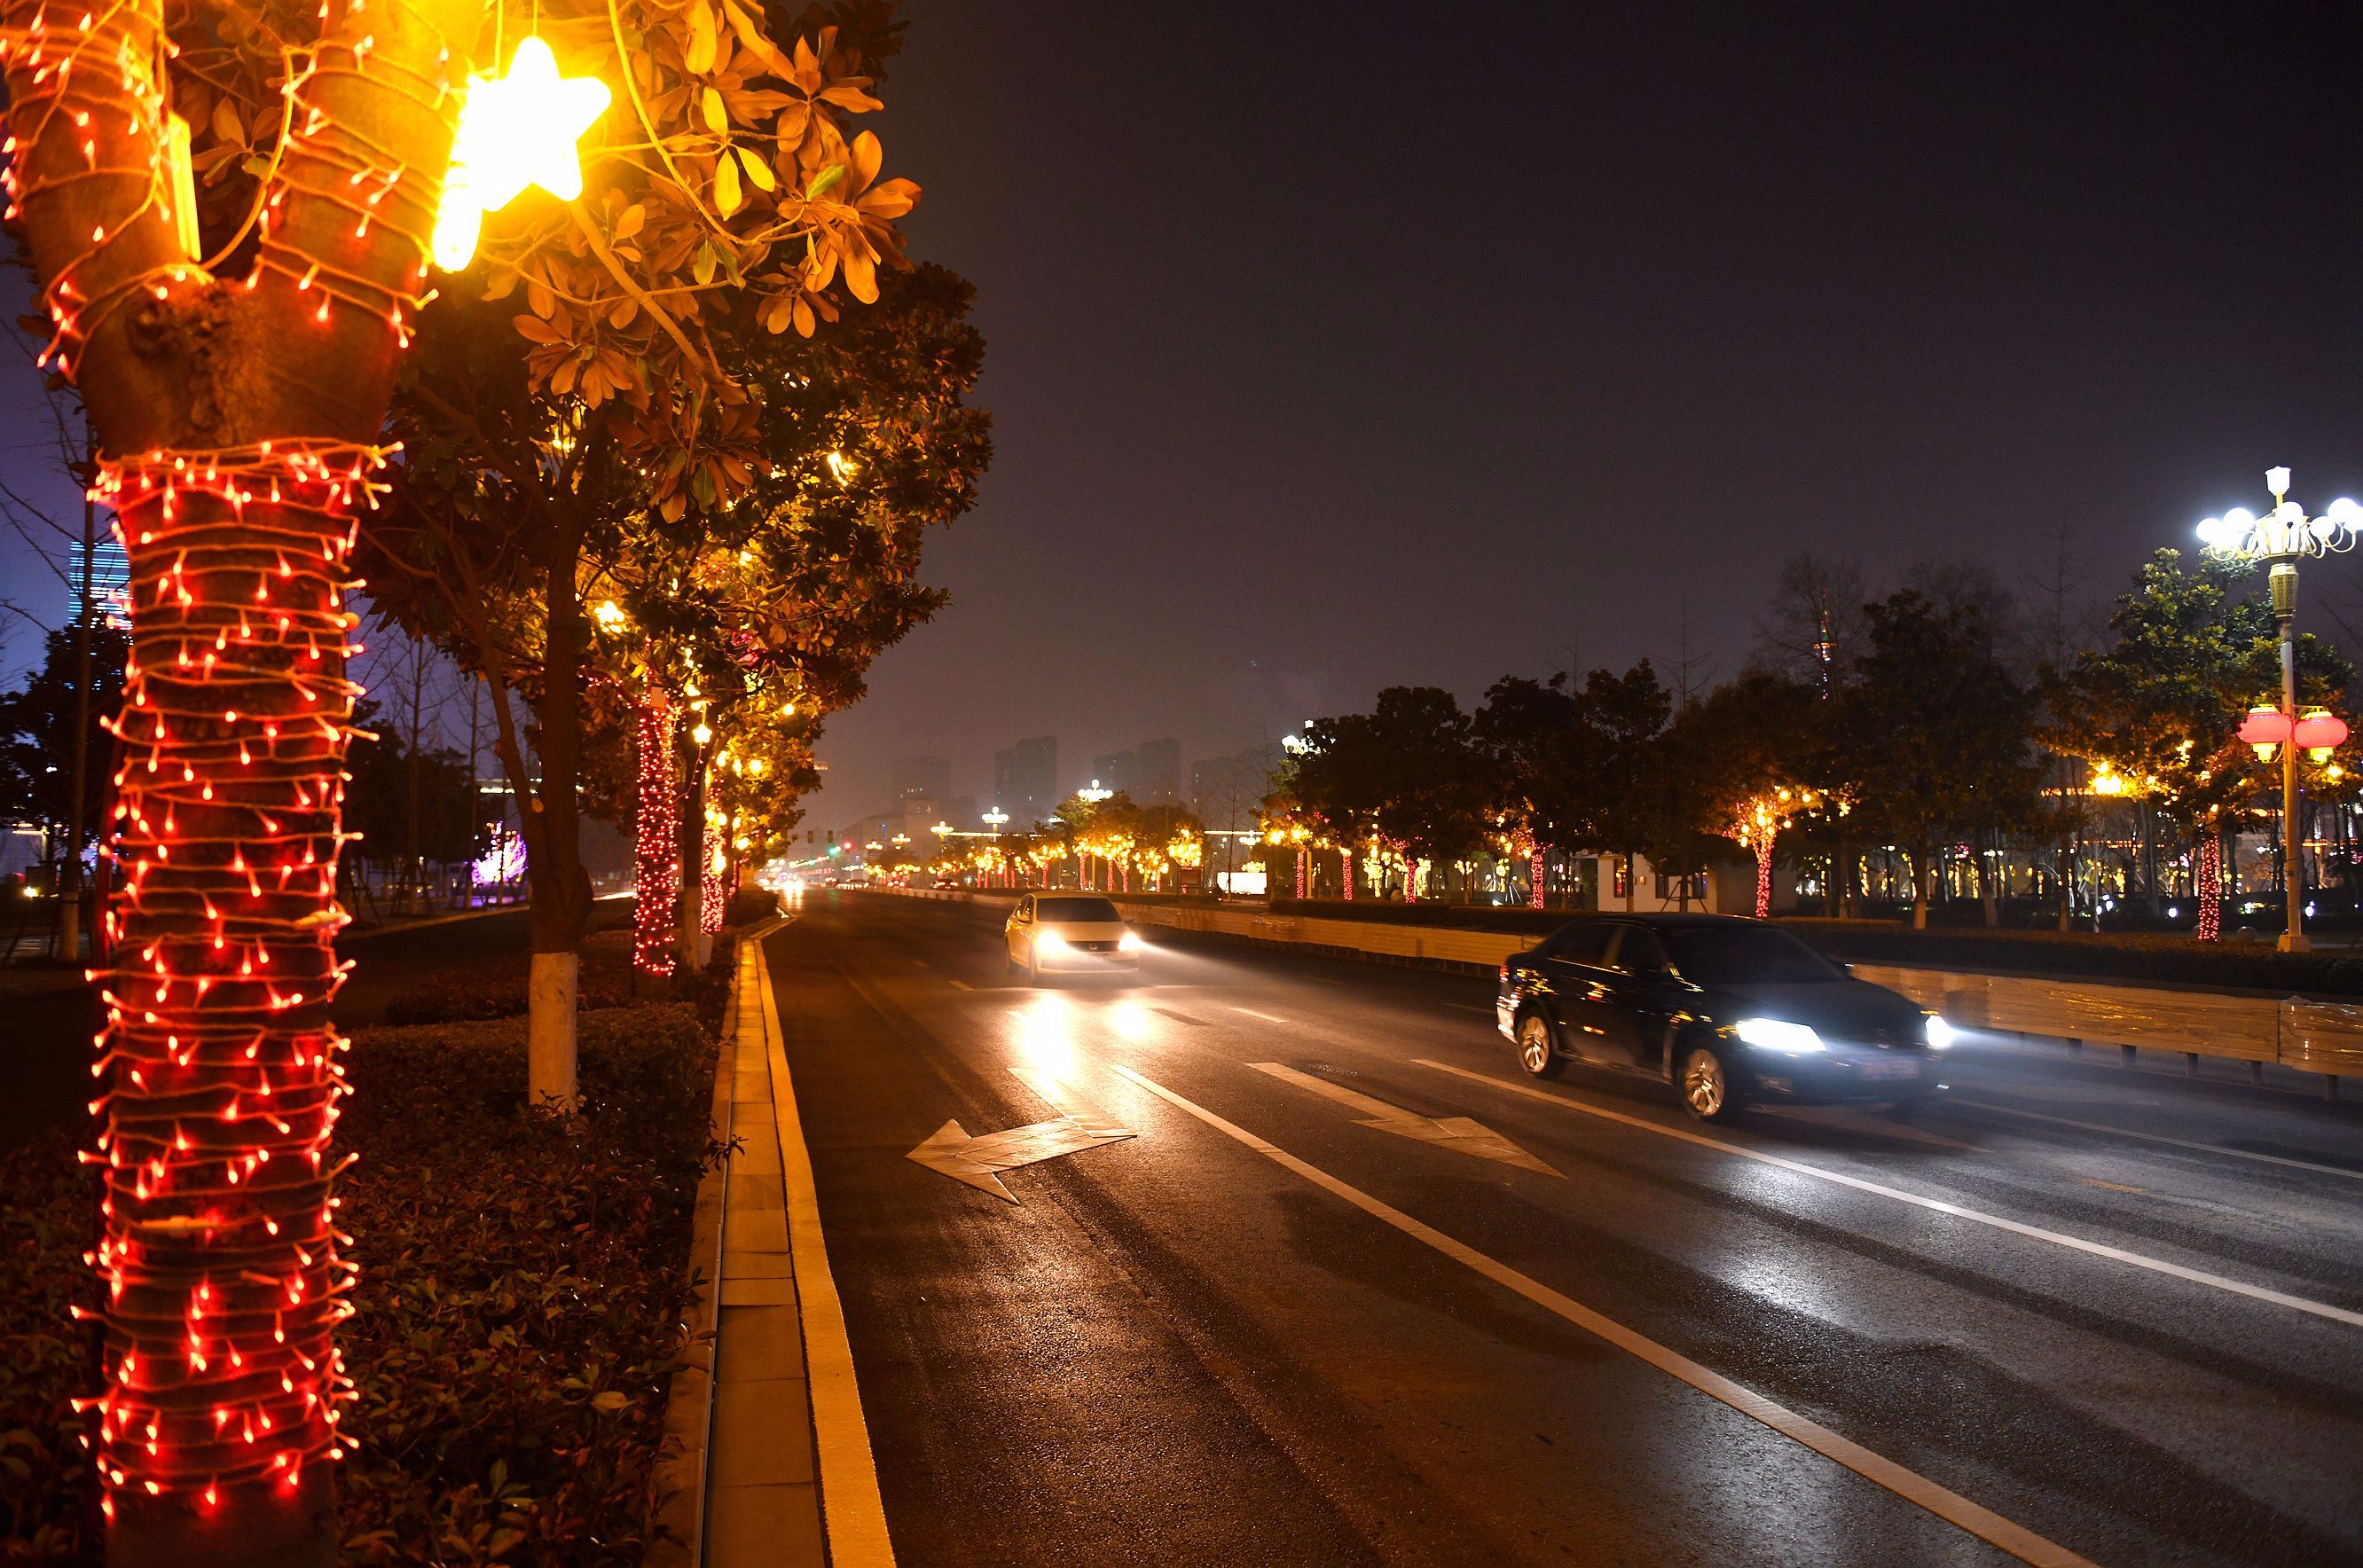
[{"x": 2144, "y": 956}]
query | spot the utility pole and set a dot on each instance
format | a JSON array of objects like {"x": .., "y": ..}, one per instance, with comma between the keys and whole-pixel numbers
[
  {"x": 68, "y": 942},
  {"x": 414, "y": 868}
]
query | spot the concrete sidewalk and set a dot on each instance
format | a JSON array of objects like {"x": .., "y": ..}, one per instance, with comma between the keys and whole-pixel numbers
[
  {"x": 763, "y": 1490},
  {"x": 757, "y": 1439}
]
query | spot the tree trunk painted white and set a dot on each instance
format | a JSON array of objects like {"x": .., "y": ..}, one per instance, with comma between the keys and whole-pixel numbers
[{"x": 549, "y": 1031}]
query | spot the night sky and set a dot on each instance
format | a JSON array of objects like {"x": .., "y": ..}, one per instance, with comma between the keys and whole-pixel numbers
[{"x": 1338, "y": 346}]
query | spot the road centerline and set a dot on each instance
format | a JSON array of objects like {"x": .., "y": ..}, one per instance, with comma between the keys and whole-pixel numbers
[
  {"x": 1936, "y": 1205},
  {"x": 1252, "y": 1013},
  {"x": 1912, "y": 1487}
]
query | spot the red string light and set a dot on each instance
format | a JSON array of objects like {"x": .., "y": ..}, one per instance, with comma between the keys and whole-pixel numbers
[
  {"x": 2210, "y": 886},
  {"x": 656, "y": 849},
  {"x": 715, "y": 857},
  {"x": 218, "y": 1067}
]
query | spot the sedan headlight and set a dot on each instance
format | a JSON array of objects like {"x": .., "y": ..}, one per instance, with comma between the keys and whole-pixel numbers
[
  {"x": 1129, "y": 942},
  {"x": 1940, "y": 1034},
  {"x": 1777, "y": 1034},
  {"x": 1046, "y": 942}
]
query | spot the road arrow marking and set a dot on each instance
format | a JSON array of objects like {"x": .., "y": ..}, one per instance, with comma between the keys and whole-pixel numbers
[
  {"x": 979, "y": 1162},
  {"x": 1458, "y": 1133}
]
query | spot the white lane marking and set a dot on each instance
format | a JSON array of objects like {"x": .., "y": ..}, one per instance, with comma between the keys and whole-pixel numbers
[
  {"x": 1470, "y": 1007},
  {"x": 977, "y": 1161},
  {"x": 1253, "y": 1013},
  {"x": 2159, "y": 1138},
  {"x": 1950, "y": 1505},
  {"x": 959, "y": 985},
  {"x": 2077, "y": 1244},
  {"x": 1457, "y": 1132},
  {"x": 854, "y": 1515}
]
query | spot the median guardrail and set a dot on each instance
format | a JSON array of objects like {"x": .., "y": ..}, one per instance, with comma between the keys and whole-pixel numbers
[{"x": 2321, "y": 1037}]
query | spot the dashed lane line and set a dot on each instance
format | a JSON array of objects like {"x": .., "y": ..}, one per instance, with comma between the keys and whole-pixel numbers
[
  {"x": 1976, "y": 1216},
  {"x": 1912, "y": 1487},
  {"x": 2157, "y": 1138},
  {"x": 1253, "y": 1013},
  {"x": 958, "y": 985}
]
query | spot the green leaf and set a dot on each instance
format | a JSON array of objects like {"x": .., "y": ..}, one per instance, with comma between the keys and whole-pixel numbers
[
  {"x": 609, "y": 1400},
  {"x": 823, "y": 180}
]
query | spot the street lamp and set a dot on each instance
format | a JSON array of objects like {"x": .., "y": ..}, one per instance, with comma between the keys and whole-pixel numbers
[
  {"x": 2280, "y": 539},
  {"x": 1095, "y": 795}
]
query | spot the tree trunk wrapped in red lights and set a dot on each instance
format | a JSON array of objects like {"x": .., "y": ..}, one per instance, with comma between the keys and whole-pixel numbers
[
  {"x": 2210, "y": 884},
  {"x": 713, "y": 892},
  {"x": 236, "y": 422},
  {"x": 656, "y": 849}
]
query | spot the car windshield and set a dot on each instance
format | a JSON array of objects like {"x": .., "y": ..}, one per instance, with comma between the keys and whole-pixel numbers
[
  {"x": 1747, "y": 956},
  {"x": 1076, "y": 910}
]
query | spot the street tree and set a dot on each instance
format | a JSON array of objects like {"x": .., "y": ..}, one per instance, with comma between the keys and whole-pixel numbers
[
  {"x": 234, "y": 356},
  {"x": 1621, "y": 774},
  {"x": 1530, "y": 733},
  {"x": 726, "y": 216},
  {"x": 1936, "y": 738},
  {"x": 36, "y": 731},
  {"x": 2189, "y": 649}
]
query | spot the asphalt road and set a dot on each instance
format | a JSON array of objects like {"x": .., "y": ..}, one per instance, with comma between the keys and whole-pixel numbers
[{"x": 1267, "y": 1329}]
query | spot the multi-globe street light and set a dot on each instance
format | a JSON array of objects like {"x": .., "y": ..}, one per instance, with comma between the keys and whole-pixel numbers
[{"x": 2280, "y": 539}]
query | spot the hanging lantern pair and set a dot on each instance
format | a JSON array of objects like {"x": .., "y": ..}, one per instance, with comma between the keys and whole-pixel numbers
[{"x": 2317, "y": 732}]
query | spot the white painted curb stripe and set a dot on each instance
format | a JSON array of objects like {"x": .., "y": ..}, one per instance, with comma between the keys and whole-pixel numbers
[
  {"x": 1976, "y": 1216},
  {"x": 853, "y": 1514},
  {"x": 1912, "y": 1487}
]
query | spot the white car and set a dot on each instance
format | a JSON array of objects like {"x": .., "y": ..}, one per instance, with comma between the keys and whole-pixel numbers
[{"x": 1070, "y": 933}]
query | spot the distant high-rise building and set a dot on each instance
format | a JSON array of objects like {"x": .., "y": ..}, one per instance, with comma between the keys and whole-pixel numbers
[
  {"x": 1114, "y": 771},
  {"x": 1025, "y": 780},
  {"x": 110, "y": 581},
  {"x": 1156, "y": 772},
  {"x": 928, "y": 775}
]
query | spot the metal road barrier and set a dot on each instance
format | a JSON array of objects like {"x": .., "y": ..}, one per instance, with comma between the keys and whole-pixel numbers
[{"x": 2323, "y": 1037}]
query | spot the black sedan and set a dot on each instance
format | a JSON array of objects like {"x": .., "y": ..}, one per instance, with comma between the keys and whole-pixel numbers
[{"x": 1728, "y": 1011}]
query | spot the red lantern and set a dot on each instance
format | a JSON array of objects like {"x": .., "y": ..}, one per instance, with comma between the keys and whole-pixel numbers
[
  {"x": 2264, "y": 730},
  {"x": 2320, "y": 732}
]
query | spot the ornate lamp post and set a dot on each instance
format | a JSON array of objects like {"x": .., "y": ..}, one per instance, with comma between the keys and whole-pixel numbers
[{"x": 2280, "y": 539}]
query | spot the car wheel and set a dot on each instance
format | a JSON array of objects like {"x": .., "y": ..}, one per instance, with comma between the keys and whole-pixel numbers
[
  {"x": 1706, "y": 1086},
  {"x": 1537, "y": 1052}
]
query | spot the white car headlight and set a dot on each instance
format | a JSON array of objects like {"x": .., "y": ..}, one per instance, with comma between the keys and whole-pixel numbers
[
  {"x": 1777, "y": 1034},
  {"x": 1940, "y": 1034},
  {"x": 1046, "y": 942},
  {"x": 1129, "y": 942}
]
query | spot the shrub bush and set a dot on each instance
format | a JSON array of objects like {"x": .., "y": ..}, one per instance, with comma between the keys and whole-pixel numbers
[
  {"x": 496, "y": 989},
  {"x": 522, "y": 1290}
]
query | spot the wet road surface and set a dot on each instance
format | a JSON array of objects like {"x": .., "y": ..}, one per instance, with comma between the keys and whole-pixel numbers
[{"x": 1360, "y": 1291}]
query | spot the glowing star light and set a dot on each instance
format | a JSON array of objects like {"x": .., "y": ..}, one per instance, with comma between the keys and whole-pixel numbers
[{"x": 515, "y": 130}]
